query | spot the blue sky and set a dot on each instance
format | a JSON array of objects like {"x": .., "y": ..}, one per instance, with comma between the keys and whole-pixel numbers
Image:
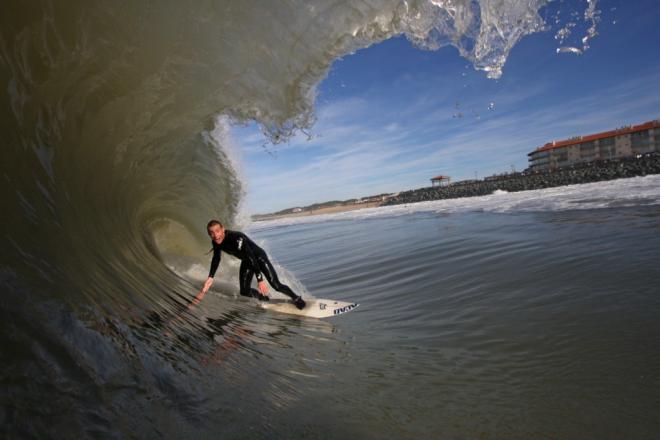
[{"x": 391, "y": 116}]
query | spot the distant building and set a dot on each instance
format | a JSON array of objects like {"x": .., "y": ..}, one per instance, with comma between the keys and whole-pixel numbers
[
  {"x": 464, "y": 182},
  {"x": 440, "y": 181},
  {"x": 622, "y": 142},
  {"x": 297, "y": 210},
  {"x": 371, "y": 199}
]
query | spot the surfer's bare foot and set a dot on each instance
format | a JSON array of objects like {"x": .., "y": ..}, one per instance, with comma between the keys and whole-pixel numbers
[{"x": 299, "y": 302}]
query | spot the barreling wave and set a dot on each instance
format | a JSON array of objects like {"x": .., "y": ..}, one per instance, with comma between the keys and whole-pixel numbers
[
  {"x": 114, "y": 158},
  {"x": 107, "y": 112}
]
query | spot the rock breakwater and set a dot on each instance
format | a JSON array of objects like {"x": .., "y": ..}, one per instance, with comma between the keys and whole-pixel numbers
[{"x": 584, "y": 173}]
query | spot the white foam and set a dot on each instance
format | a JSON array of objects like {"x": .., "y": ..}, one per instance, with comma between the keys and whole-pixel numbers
[
  {"x": 222, "y": 141},
  {"x": 635, "y": 191}
]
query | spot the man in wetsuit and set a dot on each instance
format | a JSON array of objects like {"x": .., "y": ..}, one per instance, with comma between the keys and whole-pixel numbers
[{"x": 254, "y": 261}]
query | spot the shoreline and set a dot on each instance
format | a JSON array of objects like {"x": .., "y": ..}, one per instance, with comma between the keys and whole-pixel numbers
[
  {"x": 601, "y": 171},
  {"x": 318, "y": 211},
  {"x": 515, "y": 182}
]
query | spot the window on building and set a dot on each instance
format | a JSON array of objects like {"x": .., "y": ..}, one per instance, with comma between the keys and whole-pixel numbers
[
  {"x": 587, "y": 146},
  {"x": 587, "y": 151},
  {"x": 640, "y": 142}
]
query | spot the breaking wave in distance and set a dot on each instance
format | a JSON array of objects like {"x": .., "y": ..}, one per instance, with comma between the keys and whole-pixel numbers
[{"x": 621, "y": 193}]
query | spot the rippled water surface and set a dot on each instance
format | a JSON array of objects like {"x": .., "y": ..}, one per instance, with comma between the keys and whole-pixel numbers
[
  {"x": 483, "y": 324},
  {"x": 472, "y": 324}
]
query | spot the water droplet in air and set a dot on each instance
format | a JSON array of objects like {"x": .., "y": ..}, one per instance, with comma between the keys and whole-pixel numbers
[{"x": 574, "y": 50}]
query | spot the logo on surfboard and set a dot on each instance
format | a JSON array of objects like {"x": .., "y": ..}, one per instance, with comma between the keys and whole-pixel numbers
[{"x": 345, "y": 309}]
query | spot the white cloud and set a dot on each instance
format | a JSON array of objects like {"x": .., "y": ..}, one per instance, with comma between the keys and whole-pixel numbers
[{"x": 361, "y": 147}]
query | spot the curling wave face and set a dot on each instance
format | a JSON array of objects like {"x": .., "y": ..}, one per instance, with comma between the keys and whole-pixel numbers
[
  {"x": 108, "y": 162},
  {"x": 107, "y": 112}
]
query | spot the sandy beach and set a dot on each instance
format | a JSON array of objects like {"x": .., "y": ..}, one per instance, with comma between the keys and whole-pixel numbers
[{"x": 320, "y": 211}]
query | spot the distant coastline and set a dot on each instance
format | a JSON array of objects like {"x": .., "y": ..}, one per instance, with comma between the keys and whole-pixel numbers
[
  {"x": 330, "y": 208},
  {"x": 512, "y": 182}
]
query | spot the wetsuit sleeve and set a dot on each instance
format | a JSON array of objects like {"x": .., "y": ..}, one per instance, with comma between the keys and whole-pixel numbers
[
  {"x": 215, "y": 262},
  {"x": 249, "y": 254}
]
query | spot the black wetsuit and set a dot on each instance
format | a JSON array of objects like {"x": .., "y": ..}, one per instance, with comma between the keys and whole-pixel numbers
[{"x": 254, "y": 261}]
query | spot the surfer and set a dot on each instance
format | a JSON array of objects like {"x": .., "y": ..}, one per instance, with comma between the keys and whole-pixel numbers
[{"x": 254, "y": 261}]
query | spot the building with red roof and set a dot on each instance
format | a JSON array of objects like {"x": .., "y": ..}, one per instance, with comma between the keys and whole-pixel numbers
[
  {"x": 614, "y": 144},
  {"x": 440, "y": 180}
]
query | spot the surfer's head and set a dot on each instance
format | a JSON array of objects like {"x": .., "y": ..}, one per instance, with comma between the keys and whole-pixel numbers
[{"x": 216, "y": 231}]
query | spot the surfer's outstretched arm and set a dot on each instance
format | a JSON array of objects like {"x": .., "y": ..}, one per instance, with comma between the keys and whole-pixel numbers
[
  {"x": 207, "y": 285},
  {"x": 215, "y": 262},
  {"x": 200, "y": 296}
]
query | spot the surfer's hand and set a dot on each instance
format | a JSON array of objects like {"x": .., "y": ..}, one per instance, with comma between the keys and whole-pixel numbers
[
  {"x": 207, "y": 285},
  {"x": 197, "y": 300},
  {"x": 263, "y": 287}
]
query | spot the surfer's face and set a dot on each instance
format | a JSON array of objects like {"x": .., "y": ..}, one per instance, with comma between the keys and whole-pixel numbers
[{"x": 217, "y": 233}]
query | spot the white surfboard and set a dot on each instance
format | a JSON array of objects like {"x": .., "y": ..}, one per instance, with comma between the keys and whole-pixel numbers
[{"x": 315, "y": 308}]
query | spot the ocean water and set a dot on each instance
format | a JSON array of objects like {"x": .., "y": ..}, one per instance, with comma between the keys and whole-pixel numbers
[
  {"x": 521, "y": 315},
  {"x": 486, "y": 317},
  {"x": 507, "y": 316}
]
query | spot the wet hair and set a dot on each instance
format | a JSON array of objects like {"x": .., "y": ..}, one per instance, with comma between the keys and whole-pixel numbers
[{"x": 213, "y": 223}]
